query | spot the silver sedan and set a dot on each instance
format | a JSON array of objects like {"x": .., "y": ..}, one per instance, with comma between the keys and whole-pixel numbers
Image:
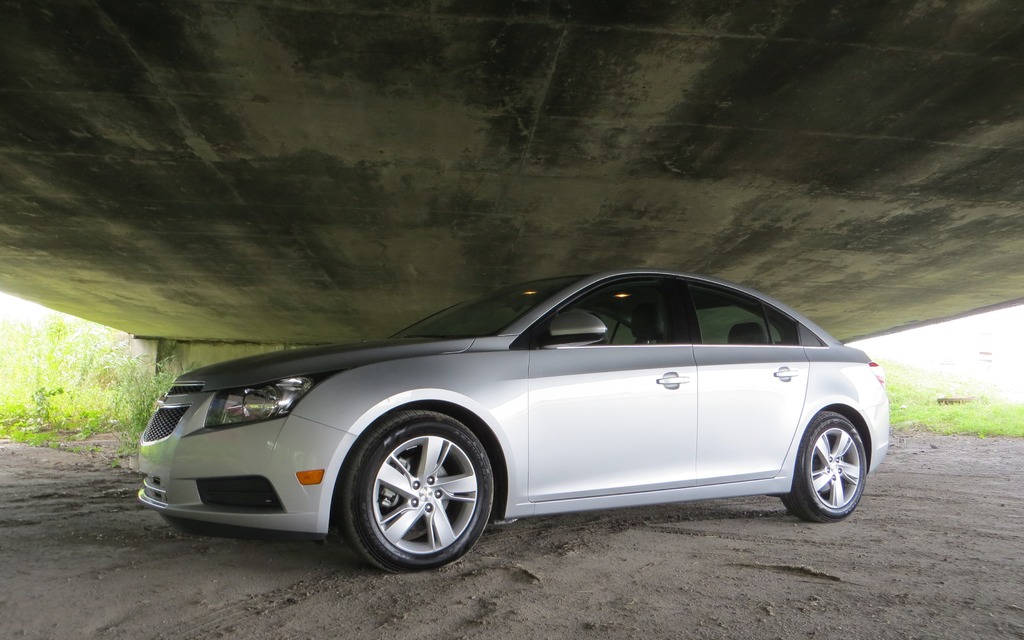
[{"x": 620, "y": 389}]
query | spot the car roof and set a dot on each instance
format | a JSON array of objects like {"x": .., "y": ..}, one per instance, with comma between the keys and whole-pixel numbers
[{"x": 584, "y": 282}]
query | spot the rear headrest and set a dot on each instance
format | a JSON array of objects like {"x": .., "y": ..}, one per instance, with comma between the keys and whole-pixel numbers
[{"x": 748, "y": 333}]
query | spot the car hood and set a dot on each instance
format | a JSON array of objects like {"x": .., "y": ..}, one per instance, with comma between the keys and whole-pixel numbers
[{"x": 310, "y": 361}]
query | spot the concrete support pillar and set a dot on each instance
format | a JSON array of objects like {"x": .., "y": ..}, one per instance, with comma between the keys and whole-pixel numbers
[
  {"x": 181, "y": 356},
  {"x": 145, "y": 349}
]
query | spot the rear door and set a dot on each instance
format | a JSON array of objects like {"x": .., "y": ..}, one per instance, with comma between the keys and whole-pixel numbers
[{"x": 752, "y": 385}]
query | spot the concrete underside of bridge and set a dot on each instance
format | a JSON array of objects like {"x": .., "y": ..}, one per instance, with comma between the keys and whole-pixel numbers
[{"x": 305, "y": 171}]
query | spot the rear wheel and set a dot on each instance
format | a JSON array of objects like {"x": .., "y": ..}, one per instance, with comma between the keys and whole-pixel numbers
[
  {"x": 417, "y": 493},
  {"x": 830, "y": 470}
]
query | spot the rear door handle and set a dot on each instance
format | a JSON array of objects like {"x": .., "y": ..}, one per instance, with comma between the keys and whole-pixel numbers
[
  {"x": 786, "y": 374},
  {"x": 672, "y": 380}
]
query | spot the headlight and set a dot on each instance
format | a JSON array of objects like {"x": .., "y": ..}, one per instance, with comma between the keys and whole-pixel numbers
[{"x": 256, "y": 403}]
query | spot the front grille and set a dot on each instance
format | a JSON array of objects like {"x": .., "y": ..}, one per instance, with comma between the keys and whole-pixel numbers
[
  {"x": 187, "y": 387},
  {"x": 240, "y": 491},
  {"x": 163, "y": 422}
]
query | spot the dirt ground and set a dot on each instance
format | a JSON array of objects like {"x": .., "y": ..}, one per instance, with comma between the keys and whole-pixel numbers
[{"x": 935, "y": 550}]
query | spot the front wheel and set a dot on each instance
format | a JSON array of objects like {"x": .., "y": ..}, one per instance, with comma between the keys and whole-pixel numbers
[
  {"x": 417, "y": 492},
  {"x": 831, "y": 467}
]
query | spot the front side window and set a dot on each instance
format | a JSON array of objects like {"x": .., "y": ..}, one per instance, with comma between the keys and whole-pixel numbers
[{"x": 635, "y": 312}]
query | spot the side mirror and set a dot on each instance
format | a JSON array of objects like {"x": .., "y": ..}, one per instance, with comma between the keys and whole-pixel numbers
[{"x": 574, "y": 329}]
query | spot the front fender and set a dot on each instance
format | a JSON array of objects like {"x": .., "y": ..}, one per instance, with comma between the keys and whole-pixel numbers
[{"x": 491, "y": 385}]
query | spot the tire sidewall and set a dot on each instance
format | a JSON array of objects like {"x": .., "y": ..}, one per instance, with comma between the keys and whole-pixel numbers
[
  {"x": 804, "y": 487},
  {"x": 378, "y": 548}
]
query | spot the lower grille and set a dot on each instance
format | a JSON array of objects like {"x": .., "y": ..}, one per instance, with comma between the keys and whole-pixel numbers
[
  {"x": 154, "y": 490},
  {"x": 240, "y": 491},
  {"x": 163, "y": 422}
]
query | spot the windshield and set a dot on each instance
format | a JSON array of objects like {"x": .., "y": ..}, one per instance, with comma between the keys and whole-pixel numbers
[{"x": 488, "y": 315}]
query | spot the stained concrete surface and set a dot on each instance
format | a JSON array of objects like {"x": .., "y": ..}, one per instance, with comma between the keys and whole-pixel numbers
[{"x": 308, "y": 171}]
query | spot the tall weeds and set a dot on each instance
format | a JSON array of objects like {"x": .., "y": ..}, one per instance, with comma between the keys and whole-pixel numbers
[{"x": 66, "y": 379}]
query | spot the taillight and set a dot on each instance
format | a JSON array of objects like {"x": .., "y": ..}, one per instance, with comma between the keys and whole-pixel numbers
[{"x": 879, "y": 372}]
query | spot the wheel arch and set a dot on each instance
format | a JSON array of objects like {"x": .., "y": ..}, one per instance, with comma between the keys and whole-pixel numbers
[{"x": 473, "y": 422}]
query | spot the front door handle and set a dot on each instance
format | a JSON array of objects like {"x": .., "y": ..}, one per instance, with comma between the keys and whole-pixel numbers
[
  {"x": 672, "y": 380},
  {"x": 786, "y": 374}
]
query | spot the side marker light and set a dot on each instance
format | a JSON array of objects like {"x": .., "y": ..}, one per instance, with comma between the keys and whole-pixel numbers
[{"x": 313, "y": 476}]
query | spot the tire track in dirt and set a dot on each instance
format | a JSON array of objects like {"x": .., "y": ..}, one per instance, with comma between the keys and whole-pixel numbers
[{"x": 224, "y": 619}]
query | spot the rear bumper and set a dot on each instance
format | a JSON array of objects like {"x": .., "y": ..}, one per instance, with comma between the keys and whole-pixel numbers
[{"x": 877, "y": 419}]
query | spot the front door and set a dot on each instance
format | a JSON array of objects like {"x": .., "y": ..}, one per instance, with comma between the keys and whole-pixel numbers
[{"x": 620, "y": 416}]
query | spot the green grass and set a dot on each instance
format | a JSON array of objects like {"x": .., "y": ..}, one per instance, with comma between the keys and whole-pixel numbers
[
  {"x": 65, "y": 379},
  {"x": 913, "y": 398}
]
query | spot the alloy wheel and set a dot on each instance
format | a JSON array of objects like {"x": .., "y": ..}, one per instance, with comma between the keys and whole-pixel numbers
[
  {"x": 835, "y": 469},
  {"x": 425, "y": 494}
]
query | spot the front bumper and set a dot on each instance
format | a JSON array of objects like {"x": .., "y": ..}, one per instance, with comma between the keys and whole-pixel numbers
[{"x": 177, "y": 465}]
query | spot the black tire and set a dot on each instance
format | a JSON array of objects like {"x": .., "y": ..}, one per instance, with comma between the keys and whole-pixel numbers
[
  {"x": 831, "y": 467},
  {"x": 422, "y": 478}
]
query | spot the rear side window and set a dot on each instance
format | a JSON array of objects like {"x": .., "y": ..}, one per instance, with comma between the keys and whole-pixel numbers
[
  {"x": 724, "y": 317},
  {"x": 782, "y": 328}
]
